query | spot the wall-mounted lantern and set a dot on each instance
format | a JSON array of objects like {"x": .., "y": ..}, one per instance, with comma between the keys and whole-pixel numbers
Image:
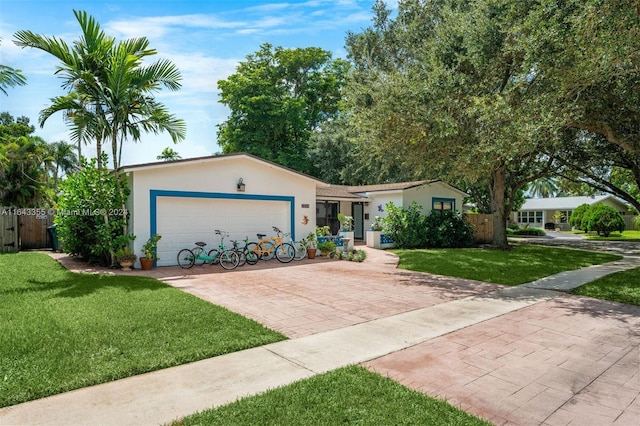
[{"x": 240, "y": 185}]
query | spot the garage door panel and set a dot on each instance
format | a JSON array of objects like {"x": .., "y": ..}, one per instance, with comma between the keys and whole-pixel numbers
[{"x": 183, "y": 221}]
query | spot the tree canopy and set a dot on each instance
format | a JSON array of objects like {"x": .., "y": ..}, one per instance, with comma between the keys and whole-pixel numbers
[{"x": 278, "y": 97}]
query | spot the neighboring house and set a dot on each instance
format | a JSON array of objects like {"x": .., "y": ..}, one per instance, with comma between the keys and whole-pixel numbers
[
  {"x": 185, "y": 201},
  {"x": 366, "y": 202},
  {"x": 536, "y": 212}
]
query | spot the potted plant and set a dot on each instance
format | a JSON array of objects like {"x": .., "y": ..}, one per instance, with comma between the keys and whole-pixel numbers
[
  {"x": 126, "y": 257},
  {"x": 149, "y": 249},
  {"x": 311, "y": 244},
  {"x": 346, "y": 222},
  {"x": 327, "y": 247}
]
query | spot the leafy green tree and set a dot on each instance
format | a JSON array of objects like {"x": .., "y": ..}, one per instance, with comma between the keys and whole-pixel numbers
[
  {"x": 604, "y": 219},
  {"x": 23, "y": 175},
  {"x": 278, "y": 97},
  {"x": 10, "y": 77},
  {"x": 588, "y": 54},
  {"x": 446, "y": 84},
  {"x": 10, "y": 126},
  {"x": 577, "y": 216},
  {"x": 109, "y": 87},
  {"x": 168, "y": 154}
]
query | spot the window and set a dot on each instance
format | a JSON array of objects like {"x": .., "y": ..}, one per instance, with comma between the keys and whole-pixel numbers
[
  {"x": 530, "y": 217},
  {"x": 442, "y": 204}
]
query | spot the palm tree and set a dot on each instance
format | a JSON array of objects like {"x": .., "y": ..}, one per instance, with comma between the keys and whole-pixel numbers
[
  {"x": 544, "y": 187},
  {"x": 109, "y": 88},
  {"x": 10, "y": 77},
  {"x": 63, "y": 158},
  {"x": 168, "y": 154}
]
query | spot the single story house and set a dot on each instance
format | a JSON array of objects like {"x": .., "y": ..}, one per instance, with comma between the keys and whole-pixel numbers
[
  {"x": 185, "y": 201},
  {"x": 366, "y": 202},
  {"x": 536, "y": 212}
]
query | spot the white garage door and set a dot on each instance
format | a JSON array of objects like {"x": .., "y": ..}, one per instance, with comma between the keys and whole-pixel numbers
[{"x": 183, "y": 221}]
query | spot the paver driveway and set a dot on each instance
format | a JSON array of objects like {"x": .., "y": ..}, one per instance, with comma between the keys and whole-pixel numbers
[
  {"x": 312, "y": 296},
  {"x": 566, "y": 360}
]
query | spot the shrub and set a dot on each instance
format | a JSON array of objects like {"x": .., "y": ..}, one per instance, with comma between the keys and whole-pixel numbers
[
  {"x": 88, "y": 221},
  {"x": 406, "y": 227},
  {"x": 529, "y": 231},
  {"x": 575, "y": 220},
  {"x": 604, "y": 219},
  {"x": 448, "y": 229}
]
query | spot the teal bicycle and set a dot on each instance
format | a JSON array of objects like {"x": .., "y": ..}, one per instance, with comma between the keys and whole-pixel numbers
[{"x": 227, "y": 258}]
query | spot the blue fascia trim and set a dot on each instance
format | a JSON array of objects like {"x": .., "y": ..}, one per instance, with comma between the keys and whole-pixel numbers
[
  {"x": 445, "y": 200},
  {"x": 155, "y": 193}
]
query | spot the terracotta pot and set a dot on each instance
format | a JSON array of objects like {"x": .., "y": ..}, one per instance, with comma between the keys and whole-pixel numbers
[
  {"x": 311, "y": 253},
  {"x": 146, "y": 263}
]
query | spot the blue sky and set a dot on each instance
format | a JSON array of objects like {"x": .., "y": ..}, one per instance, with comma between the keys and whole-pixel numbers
[{"x": 206, "y": 39}]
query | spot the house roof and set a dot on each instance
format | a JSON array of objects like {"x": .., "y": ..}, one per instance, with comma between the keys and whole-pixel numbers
[
  {"x": 159, "y": 164},
  {"x": 362, "y": 192},
  {"x": 565, "y": 203}
]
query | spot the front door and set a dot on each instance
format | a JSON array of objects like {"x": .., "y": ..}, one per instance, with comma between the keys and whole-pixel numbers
[{"x": 357, "y": 211}]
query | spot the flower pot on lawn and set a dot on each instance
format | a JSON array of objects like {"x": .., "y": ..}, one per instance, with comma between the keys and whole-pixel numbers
[{"x": 146, "y": 263}]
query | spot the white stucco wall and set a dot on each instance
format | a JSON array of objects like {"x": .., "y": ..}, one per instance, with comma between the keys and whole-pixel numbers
[{"x": 219, "y": 175}]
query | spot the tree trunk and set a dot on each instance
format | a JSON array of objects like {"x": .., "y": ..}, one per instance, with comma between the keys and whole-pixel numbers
[{"x": 498, "y": 178}]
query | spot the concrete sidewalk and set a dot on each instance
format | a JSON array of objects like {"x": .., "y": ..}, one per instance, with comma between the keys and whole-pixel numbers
[{"x": 170, "y": 394}]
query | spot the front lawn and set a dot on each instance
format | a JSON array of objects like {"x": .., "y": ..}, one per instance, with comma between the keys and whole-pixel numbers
[
  {"x": 522, "y": 264},
  {"x": 61, "y": 330},
  {"x": 623, "y": 287},
  {"x": 616, "y": 236},
  {"x": 351, "y": 395}
]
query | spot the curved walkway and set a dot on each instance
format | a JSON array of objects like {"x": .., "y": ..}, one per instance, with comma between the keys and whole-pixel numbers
[{"x": 519, "y": 355}]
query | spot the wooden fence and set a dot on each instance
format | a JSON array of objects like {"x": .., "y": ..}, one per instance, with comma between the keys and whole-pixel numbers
[
  {"x": 9, "y": 240},
  {"x": 24, "y": 229},
  {"x": 482, "y": 227},
  {"x": 33, "y": 231},
  {"x": 628, "y": 221}
]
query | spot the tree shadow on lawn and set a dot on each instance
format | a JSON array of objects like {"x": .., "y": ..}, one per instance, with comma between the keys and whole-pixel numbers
[{"x": 80, "y": 285}]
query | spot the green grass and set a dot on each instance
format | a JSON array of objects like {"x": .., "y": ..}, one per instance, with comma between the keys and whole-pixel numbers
[
  {"x": 617, "y": 236},
  {"x": 61, "y": 330},
  {"x": 623, "y": 287},
  {"x": 351, "y": 395},
  {"x": 523, "y": 264}
]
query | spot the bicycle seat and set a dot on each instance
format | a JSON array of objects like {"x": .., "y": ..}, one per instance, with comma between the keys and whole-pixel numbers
[
  {"x": 201, "y": 244},
  {"x": 261, "y": 236}
]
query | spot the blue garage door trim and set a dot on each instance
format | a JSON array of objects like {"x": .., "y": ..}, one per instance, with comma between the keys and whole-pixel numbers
[{"x": 155, "y": 193}]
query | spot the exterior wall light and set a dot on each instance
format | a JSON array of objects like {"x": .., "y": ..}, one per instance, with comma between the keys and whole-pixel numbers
[{"x": 240, "y": 185}]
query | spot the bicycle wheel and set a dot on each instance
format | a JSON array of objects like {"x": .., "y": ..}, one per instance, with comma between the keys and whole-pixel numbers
[
  {"x": 251, "y": 256},
  {"x": 253, "y": 248},
  {"x": 301, "y": 250},
  {"x": 268, "y": 250},
  {"x": 228, "y": 259},
  {"x": 197, "y": 253},
  {"x": 285, "y": 252},
  {"x": 215, "y": 257},
  {"x": 186, "y": 258},
  {"x": 242, "y": 256}
]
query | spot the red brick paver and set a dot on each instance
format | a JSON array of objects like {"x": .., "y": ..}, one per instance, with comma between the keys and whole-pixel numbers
[{"x": 571, "y": 360}]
